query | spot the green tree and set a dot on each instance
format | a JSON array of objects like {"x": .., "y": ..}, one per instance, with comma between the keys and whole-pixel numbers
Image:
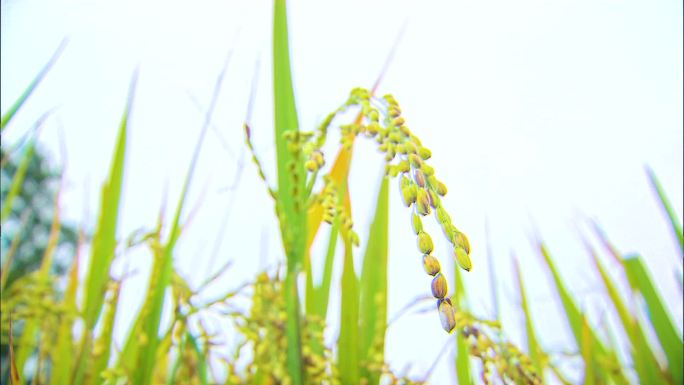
[{"x": 30, "y": 220}]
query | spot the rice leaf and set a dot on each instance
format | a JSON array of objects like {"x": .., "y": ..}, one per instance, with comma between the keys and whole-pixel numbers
[
  {"x": 644, "y": 359},
  {"x": 15, "y": 375},
  {"x": 291, "y": 173},
  {"x": 7, "y": 117},
  {"x": 102, "y": 346},
  {"x": 663, "y": 324},
  {"x": 172, "y": 378},
  {"x": 291, "y": 185},
  {"x": 310, "y": 299},
  {"x": 9, "y": 256},
  {"x": 53, "y": 237},
  {"x": 324, "y": 290},
  {"x": 535, "y": 351},
  {"x": 373, "y": 286},
  {"x": 348, "y": 342},
  {"x": 63, "y": 355},
  {"x": 104, "y": 240},
  {"x": 201, "y": 360},
  {"x": 463, "y": 369},
  {"x": 129, "y": 357},
  {"x": 144, "y": 345},
  {"x": 669, "y": 210},
  {"x": 293, "y": 329},
  {"x": 27, "y": 343},
  {"x": 143, "y": 355},
  {"x": 589, "y": 363},
  {"x": 17, "y": 181},
  {"x": 575, "y": 319}
]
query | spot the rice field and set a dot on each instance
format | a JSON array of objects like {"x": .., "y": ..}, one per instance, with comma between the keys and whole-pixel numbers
[{"x": 59, "y": 328}]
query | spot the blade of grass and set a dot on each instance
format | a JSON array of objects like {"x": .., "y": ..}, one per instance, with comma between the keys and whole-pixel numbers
[
  {"x": 15, "y": 375},
  {"x": 665, "y": 329},
  {"x": 348, "y": 343},
  {"x": 64, "y": 349},
  {"x": 173, "y": 376},
  {"x": 665, "y": 203},
  {"x": 317, "y": 301},
  {"x": 102, "y": 346},
  {"x": 14, "y": 244},
  {"x": 643, "y": 357},
  {"x": 151, "y": 316},
  {"x": 17, "y": 181},
  {"x": 587, "y": 356},
  {"x": 324, "y": 290},
  {"x": 574, "y": 317},
  {"x": 463, "y": 369},
  {"x": 7, "y": 117},
  {"x": 291, "y": 186},
  {"x": 373, "y": 286},
  {"x": 295, "y": 365},
  {"x": 104, "y": 240},
  {"x": 201, "y": 360},
  {"x": 291, "y": 174},
  {"x": 128, "y": 358},
  {"x": 533, "y": 347}
]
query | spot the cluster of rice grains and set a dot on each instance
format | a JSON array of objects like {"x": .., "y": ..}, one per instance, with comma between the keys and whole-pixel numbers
[
  {"x": 265, "y": 337},
  {"x": 266, "y": 343},
  {"x": 420, "y": 189},
  {"x": 499, "y": 359}
]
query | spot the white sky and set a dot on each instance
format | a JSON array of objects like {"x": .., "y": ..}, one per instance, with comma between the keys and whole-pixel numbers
[{"x": 539, "y": 115}]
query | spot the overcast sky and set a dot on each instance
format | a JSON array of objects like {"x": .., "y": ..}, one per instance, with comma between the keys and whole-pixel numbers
[{"x": 540, "y": 115}]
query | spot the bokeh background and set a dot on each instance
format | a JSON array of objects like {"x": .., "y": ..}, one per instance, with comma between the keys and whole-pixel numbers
[{"x": 540, "y": 115}]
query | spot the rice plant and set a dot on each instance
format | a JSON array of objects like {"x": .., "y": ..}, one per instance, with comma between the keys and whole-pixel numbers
[{"x": 63, "y": 339}]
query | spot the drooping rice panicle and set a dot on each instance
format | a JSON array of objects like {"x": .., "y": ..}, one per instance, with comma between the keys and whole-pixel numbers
[{"x": 406, "y": 159}]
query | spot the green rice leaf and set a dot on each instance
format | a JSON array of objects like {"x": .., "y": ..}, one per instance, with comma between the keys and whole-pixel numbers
[
  {"x": 102, "y": 347},
  {"x": 104, "y": 243},
  {"x": 15, "y": 374},
  {"x": 291, "y": 185},
  {"x": 162, "y": 271},
  {"x": 291, "y": 172},
  {"x": 674, "y": 221},
  {"x": 323, "y": 292},
  {"x": 104, "y": 240},
  {"x": 201, "y": 360},
  {"x": 373, "y": 286},
  {"x": 144, "y": 340},
  {"x": 17, "y": 181},
  {"x": 644, "y": 359},
  {"x": 463, "y": 369},
  {"x": 293, "y": 329},
  {"x": 173, "y": 376},
  {"x": 536, "y": 353},
  {"x": 63, "y": 353},
  {"x": 575, "y": 318},
  {"x": 7, "y": 117},
  {"x": 26, "y": 344},
  {"x": 587, "y": 356},
  {"x": 663, "y": 324},
  {"x": 348, "y": 343},
  {"x": 318, "y": 296}
]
